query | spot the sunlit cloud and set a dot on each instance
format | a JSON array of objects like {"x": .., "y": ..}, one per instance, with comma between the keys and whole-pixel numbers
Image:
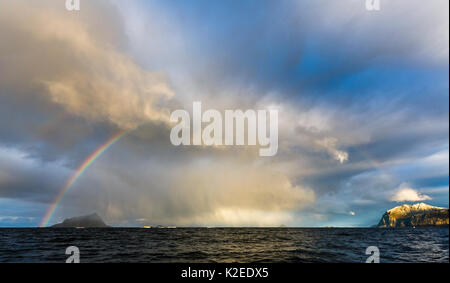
[
  {"x": 84, "y": 71},
  {"x": 354, "y": 119},
  {"x": 406, "y": 193}
]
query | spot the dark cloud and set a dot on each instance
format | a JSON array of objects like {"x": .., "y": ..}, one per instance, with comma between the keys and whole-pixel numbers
[{"x": 362, "y": 98}]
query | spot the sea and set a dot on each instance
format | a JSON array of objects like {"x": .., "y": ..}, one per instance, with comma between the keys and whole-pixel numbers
[{"x": 225, "y": 245}]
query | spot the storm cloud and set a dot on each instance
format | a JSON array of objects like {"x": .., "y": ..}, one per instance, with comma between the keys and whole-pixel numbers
[{"x": 362, "y": 99}]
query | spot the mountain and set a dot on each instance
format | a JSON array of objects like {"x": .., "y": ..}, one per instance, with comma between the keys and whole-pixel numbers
[
  {"x": 419, "y": 214},
  {"x": 86, "y": 221}
]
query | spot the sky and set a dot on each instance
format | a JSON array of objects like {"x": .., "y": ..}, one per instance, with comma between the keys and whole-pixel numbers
[{"x": 362, "y": 98}]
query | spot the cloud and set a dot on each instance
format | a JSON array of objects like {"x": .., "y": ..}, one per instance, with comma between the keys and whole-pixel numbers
[
  {"x": 330, "y": 145},
  {"x": 406, "y": 193},
  {"x": 15, "y": 218},
  {"x": 76, "y": 62},
  {"x": 69, "y": 81},
  {"x": 205, "y": 191},
  {"x": 28, "y": 179}
]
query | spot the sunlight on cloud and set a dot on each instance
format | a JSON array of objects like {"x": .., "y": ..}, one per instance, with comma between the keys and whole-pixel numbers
[
  {"x": 330, "y": 145},
  {"x": 197, "y": 193},
  {"x": 246, "y": 217},
  {"x": 406, "y": 193},
  {"x": 78, "y": 66}
]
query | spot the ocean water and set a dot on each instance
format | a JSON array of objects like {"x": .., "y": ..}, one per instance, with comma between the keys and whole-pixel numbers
[{"x": 225, "y": 245}]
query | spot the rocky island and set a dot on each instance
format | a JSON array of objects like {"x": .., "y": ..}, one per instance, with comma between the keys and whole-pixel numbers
[
  {"x": 419, "y": 214},
  {"x": 86, "y": 221}
]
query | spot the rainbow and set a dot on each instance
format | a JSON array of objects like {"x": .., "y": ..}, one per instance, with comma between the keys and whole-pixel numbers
[
  {"x": 76, "y": 175},
  {"x": 100, "y": 150}
]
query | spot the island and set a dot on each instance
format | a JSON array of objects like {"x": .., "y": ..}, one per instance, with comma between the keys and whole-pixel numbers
[
  {"x": 415, "y": 215},
  {"x": 86, "y": 221}
]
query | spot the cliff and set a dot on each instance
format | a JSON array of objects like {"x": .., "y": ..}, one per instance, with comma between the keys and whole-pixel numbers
[
  {"x": 87, "y": 221},
  {"x": 419, "y": 214}
]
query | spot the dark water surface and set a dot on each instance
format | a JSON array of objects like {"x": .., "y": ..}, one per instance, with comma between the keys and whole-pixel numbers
[{"x": 225, "y": 244}]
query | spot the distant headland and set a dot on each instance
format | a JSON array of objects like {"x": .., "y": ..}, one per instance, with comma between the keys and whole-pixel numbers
[
  {"x": 86, "y": 221},
  {"x": 419, "y": 214}
]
